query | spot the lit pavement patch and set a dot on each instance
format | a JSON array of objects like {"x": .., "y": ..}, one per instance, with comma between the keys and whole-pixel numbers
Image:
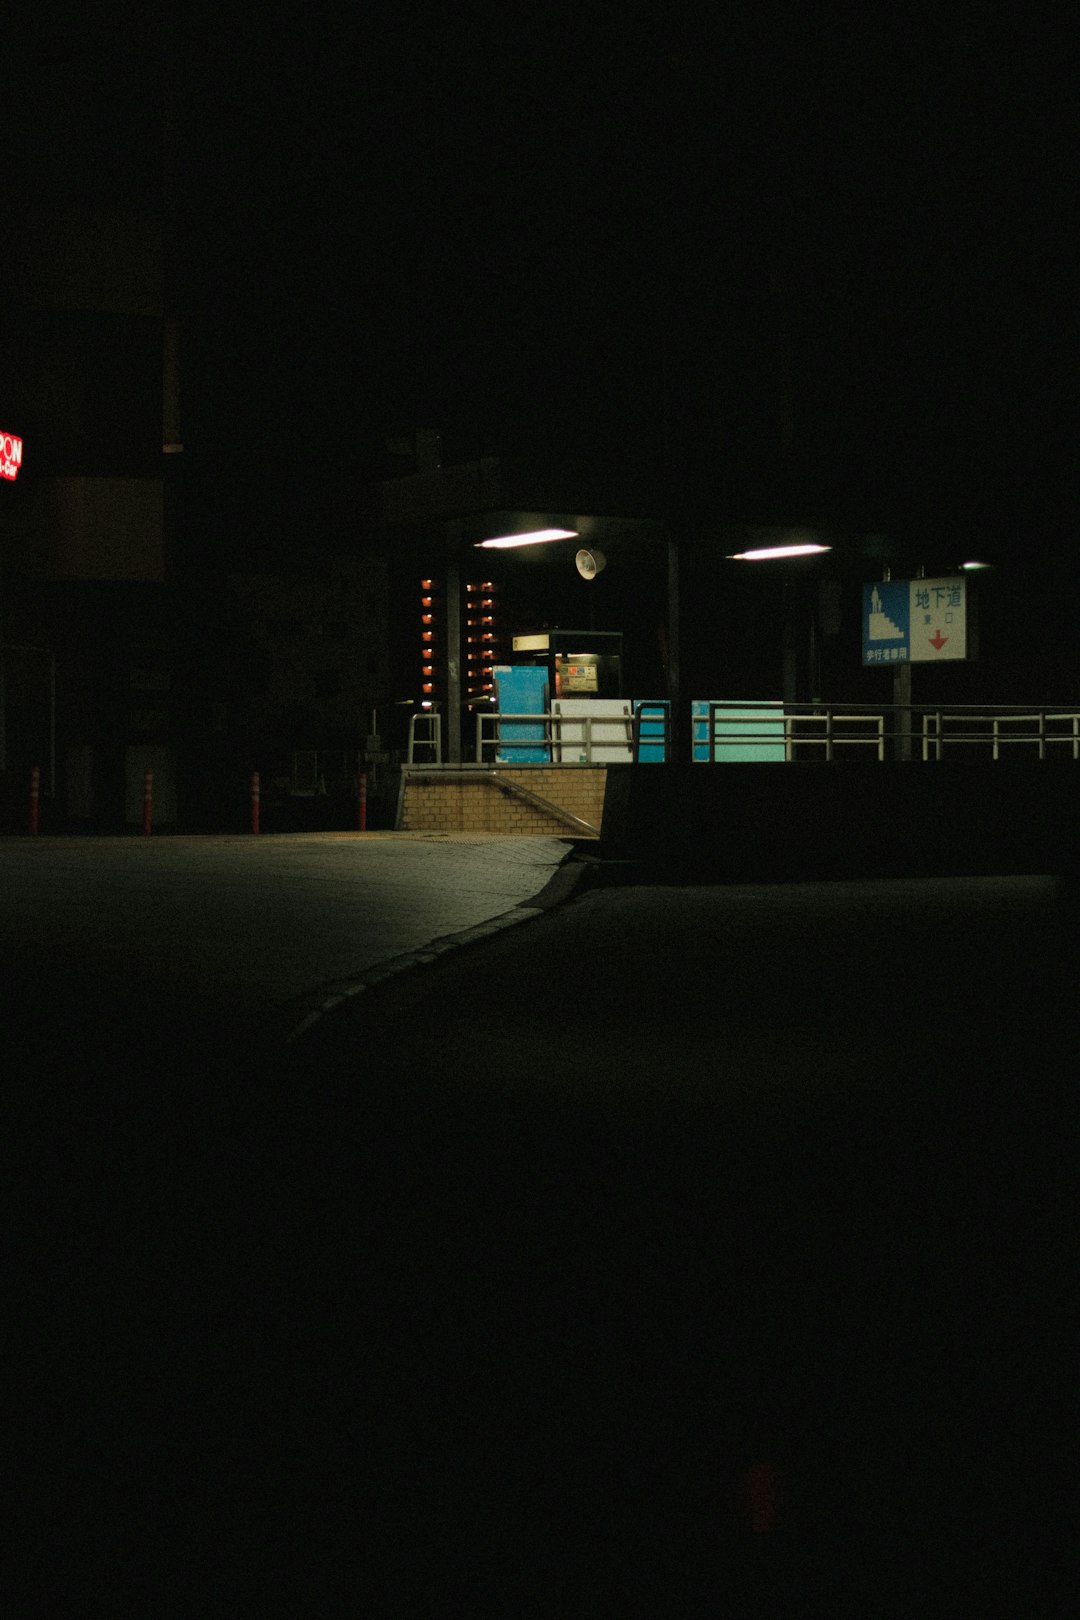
[{"x": 260, "y": 928}]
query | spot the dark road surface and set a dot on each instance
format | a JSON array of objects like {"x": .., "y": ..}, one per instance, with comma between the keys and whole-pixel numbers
[{"x": 488, "y": 1297}]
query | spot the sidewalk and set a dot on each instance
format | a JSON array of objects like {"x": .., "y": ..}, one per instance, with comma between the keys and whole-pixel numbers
[{"x": 257, "y": 929}]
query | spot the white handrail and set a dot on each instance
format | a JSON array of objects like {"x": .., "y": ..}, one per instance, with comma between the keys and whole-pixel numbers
[
  {"x": 553, "y": 739},
  {"x": 433, "y": 720},
  {"x": 831, "y": 728}
]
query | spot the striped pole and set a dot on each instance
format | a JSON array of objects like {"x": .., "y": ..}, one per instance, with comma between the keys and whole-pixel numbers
[
  {"x": 35, "y": 797},
  {"x": 147, "y": 803},
  {"x": 256, "y": 801}
]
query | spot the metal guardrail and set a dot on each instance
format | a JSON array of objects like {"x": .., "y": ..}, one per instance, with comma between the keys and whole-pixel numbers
[
  {"x": 777, "y": 732},
  {"x": 832, "y": 732},
  {"x": 431, "y": 742},
  {"x": 888, "y": 730},
  {"x": 651, "y": 730},
  {"x": 791, "y": 732},
  {"x": 560, "y": 732},
  {"x": 1043, "y": 729},
  {"x": 488, "y": 739}
]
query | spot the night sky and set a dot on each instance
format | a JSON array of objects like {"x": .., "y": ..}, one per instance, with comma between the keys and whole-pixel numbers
[
  {"x": 820, "y": 267},
  {"x": 826, "y": 262}
]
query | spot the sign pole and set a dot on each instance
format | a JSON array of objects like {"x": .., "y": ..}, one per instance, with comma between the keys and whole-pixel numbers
[
  {"x": 902, "y": 709},
  {"x": 678, "y": 746},
  {"x": 912, "y": 621}
]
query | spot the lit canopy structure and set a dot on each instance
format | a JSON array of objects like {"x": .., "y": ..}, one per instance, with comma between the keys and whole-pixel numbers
[{"x": 500, "y": 505}]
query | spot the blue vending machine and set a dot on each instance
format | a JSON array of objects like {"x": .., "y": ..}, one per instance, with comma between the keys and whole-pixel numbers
[{"x": 522, "y": 689}]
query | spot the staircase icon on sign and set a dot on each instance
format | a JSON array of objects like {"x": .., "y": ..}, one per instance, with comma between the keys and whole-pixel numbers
[{"x": 881, "y": 627}]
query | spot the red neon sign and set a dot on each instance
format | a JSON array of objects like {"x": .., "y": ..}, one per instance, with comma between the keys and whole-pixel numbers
[{"x": 10, "y": 455}]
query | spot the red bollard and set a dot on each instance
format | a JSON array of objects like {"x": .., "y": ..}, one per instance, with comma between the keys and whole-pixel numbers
[
  {"x": 361, "y": 803},
  {"x": 256, "y": 800},
  {"x": 147, "y": 803},
  {"x": 35, "y": 797}
]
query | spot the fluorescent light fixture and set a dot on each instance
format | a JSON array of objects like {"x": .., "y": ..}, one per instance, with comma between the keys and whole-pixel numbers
[
  {"x": 970, "y": 565},
  {"x": 775, "y": 551},
  {"x": 534, "y": 537}
]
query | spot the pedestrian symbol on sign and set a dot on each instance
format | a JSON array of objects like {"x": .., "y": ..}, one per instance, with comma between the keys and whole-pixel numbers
[{"x": 882, "y": 628}]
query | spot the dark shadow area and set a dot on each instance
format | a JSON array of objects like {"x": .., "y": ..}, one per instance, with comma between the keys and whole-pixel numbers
[{"x": 489, "y": 1297}]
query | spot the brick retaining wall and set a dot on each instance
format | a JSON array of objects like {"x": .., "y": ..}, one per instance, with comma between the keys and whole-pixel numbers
[{"x": 454, "y": 803}]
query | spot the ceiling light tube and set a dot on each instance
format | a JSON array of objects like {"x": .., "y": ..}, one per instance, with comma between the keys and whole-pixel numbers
[
  {"x": 765, "y": 552},
  {"x": 533, "y": 537}
]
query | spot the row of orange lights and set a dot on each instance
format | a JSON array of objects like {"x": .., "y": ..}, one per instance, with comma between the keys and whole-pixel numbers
[
  {"x": 478, "y": 618},
  {"x": 427, "y": 637}
]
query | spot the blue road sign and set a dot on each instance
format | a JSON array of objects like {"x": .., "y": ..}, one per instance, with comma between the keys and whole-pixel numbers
[{"x": 887, "y": 622}]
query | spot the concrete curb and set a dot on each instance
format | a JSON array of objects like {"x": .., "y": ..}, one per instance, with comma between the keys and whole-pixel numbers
[{"x": 563, "y": 885}]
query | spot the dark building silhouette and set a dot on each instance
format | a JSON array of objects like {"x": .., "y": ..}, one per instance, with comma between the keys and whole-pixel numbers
[{"x": 173, "y": 604}]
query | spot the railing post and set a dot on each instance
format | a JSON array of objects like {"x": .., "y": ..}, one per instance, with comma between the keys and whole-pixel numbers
[
  {"x": 660, "y": 715},
  {"x": 679, "y": 746}
]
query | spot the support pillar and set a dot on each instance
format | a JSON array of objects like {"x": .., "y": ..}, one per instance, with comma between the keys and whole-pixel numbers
[
  {"x": 679, "y": 739},
  {"x": 453, "y": 643}
]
